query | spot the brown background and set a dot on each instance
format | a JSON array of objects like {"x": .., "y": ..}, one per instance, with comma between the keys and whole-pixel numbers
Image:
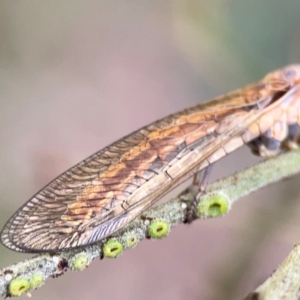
[{"x": 77, "y": 75}]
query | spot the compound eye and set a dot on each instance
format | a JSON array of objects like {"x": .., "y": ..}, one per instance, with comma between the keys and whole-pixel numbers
[{"x": 291, "y": 73}]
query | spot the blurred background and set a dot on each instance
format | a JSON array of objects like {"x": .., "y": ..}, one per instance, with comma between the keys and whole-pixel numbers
[{"x": 78, "y": 75}]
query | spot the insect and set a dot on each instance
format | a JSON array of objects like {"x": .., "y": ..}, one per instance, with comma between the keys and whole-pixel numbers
[{"x": 104, "y": 192}]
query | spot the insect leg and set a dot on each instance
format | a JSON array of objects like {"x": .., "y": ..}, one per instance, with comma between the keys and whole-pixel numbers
[
  {"x": 200, "y": 183},
  {"x": 293, "y": 138},
  {"x": 265, "y": 146},
  {"x": 268, "y": 144}
]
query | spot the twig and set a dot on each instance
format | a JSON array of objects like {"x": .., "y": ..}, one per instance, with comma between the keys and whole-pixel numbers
[
  {"x": 19, "y": 278},
  {"x": 284, "y": 283}
]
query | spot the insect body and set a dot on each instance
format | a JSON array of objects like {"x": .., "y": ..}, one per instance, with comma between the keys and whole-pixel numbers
[{"x": 107, "y": 190}]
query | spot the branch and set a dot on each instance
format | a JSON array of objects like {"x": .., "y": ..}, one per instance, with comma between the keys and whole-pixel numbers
[
  {"x": 284, "y": 283},
  {"x": 156, "y": 223}
]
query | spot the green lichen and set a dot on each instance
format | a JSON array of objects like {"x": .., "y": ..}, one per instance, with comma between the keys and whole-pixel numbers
[
  {"x": 112, "y": 248},
  {"x": 80, "y": 262},
  {"x": 18, "y": 286},
  {"x": 213, "y": 205},
  {"x": 158, "y": 229},
  {"x": 131, "y": 239},
  {"x": 36, "y": 280}
]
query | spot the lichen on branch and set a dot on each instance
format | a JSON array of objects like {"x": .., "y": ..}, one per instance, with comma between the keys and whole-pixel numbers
[{"x": 155, "y": 223}]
